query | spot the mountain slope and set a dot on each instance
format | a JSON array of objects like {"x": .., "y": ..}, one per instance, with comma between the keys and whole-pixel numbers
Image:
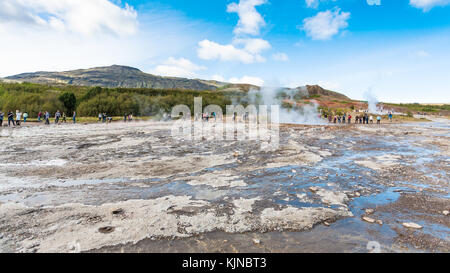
[
  {"x": 315, "y": 90},
  {"x": 111, "y": 77},
  {"x": 129, "y": 77}
]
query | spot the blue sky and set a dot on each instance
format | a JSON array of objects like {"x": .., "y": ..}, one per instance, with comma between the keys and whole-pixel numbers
[{"x": 398, "y": 50}]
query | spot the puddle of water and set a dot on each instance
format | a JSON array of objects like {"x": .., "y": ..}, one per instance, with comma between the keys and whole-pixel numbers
[{"x": 389, "y": 196}]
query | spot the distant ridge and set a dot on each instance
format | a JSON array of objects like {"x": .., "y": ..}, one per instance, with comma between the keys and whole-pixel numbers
[
  {"x": 129, "y": 77},
  {"x": 315, "y": 90},
  {"x": 112, "y": 77}
]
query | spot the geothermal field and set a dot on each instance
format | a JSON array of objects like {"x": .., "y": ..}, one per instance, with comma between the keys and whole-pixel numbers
[{"x": 131, "y": 187}]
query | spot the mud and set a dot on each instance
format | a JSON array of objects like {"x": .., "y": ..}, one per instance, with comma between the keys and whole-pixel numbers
[{"x": 133, "y": 188}]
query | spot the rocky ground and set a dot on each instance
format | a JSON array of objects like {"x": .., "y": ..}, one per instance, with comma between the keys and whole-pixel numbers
[{"x": 133, "y": 188}]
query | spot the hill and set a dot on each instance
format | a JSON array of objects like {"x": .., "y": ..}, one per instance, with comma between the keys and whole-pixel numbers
[
  {"x": 112, "y": 77},
  {"x": 117, "y": 76},
  {"x": 316, "y": 91}
]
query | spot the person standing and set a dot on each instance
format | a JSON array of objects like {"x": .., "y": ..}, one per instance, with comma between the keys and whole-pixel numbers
[
  {"x": 57, "y": 117},
  {"x": 349, "y": 119},
  {"x": 74, "y": 117},
  {"x": 11, "y": 118},
  {"x": 18, "y": 117},
  {"x": 1, "y": 118},
  {"x": 64, "y": 117},
  {"x": 39, "y": 116},
  {"x": 25, "y": 116},
  {"x": 390, "y": 116},
  {"x": 378, "y": 119},
  {"x": 47, "y": 118}
]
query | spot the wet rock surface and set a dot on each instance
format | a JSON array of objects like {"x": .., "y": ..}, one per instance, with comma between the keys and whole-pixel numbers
[{"x": 133, "y": 188}]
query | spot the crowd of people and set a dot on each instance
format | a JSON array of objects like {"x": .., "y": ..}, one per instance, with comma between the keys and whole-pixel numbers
[
  {"x": 61, "y": 117},
  {"x": 347, "y": 118},
  {"x": 127, "y": 117},
  {"x": 205, "y": 116},
  {"x": 103, "y": 117},
  {"x": 43, "y": 116}
]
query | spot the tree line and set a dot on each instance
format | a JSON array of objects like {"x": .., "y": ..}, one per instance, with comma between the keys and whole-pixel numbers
[{"x": 89, "y": 101}]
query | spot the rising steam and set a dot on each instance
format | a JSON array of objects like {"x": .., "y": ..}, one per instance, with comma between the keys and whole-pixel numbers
[
  {"x": 372, "y": 101},
  {"x": 305, "y": 114}
]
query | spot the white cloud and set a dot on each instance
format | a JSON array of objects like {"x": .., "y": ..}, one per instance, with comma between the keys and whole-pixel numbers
[
  {"x": 248, "y": 80},
  {"x": 249, "y": 53},
  {"x": 218, "y": 78},
  {"x": 213, "y": 51},
  {"x": 325, "y": 24},
  {"x": 315, "y": 3},
  {"x": 77, "y": 16},
  {"x": 181, "y": 67},
  {"x": 253, "y": 46},
  {"x": 250, "y": 21},
  {"x": 242, "y": 49},
  {"x": 427, "y": 5},
  {"x": 54, "y": 45},
  {"x": 244, "y": 80},
  {"x": 312, "y": 3},
  {"x": 281, "y": 57}
]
